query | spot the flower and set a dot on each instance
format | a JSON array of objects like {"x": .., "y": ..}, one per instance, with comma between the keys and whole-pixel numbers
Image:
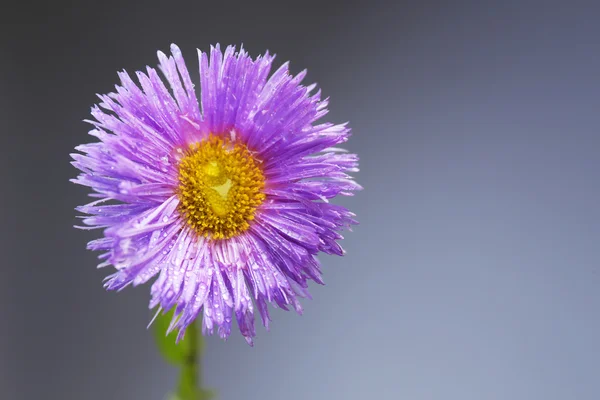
[{"x": 227, "y": 202}]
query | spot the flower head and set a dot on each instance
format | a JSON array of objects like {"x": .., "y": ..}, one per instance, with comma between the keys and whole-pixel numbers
[{"x": 226, "y": 200}]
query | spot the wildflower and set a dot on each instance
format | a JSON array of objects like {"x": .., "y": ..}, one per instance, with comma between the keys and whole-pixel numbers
[{"x": 225, "y": 202}]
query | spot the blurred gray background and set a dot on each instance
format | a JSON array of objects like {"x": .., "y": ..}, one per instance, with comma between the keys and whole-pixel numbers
[{"x": 474, "y": 273}]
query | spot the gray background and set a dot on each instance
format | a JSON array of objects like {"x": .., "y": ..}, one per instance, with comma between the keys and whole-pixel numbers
[{"x": 474, "y": 273}]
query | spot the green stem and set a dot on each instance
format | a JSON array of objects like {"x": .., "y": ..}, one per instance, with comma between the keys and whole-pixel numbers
[
  {"x": 186, "y": 355},
  {"x": 189, "y": 379}
]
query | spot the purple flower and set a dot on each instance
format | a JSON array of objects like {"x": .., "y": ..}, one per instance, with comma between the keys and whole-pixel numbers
[{"x": 226, "y": 202}]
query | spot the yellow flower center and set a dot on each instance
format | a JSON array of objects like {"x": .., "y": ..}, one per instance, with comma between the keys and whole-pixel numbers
[{"x": 220, "y": 187}]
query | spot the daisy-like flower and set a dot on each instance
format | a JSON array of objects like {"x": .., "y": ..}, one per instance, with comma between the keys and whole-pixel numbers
[{"x": 226, "y": 201}]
